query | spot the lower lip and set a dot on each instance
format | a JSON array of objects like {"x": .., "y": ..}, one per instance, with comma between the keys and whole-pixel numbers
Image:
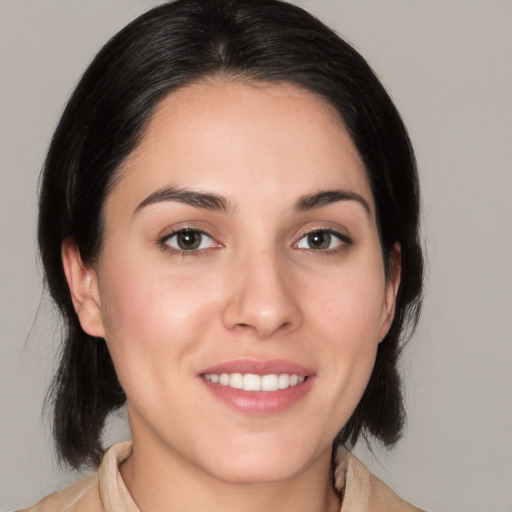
[{"x": 260, "y": 402}]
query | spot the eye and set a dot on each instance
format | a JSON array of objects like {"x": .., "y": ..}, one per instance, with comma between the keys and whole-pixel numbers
[
  {"x": 322, "y": 240},
  {"x": 188, "y": 240}
]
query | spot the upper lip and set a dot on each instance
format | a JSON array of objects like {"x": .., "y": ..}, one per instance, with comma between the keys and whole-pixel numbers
[{"x": 259, "y": 367}]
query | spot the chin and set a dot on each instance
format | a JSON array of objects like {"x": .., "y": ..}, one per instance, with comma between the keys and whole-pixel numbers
[
  {"x": 257, "y": 472},
  {"x": 264, "y": 463}
]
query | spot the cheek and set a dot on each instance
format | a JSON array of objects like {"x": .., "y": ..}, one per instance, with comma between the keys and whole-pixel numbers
[
  {"x": 347, "y": 311},
  {"x": 153, "y": 316},
  {"x": 350, "y": 302}
]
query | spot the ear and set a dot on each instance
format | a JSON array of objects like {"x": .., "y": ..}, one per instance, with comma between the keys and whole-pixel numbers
[
  {"x": 83, "y": 286},
  {"x": 392, "y": 284}
]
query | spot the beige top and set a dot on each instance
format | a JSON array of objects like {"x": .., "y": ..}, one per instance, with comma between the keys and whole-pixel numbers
[{"x": 105, "y": 491}]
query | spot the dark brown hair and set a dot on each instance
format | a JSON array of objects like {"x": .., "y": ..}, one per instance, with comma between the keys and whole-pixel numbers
[{"x": 167, "y": 48}]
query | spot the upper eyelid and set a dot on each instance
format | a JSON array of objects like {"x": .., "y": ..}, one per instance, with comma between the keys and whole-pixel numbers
[
  {"x": 187, "y": 226},
  {"x": 216, "y": 236},
  {"x": 177, "y": 231},
  {"x": 326, "y": 229},
  {"x": 184, "y": 230},
  {"x": 337, "y": 232},
  {"x": 163, "y": 242},
  {"x": 345, "y": 241}
]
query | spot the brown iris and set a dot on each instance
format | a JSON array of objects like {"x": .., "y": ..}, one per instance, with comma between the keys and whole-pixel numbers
[
  {"x": 188, "y": 240},
  {"x": 319, "y": 240}
]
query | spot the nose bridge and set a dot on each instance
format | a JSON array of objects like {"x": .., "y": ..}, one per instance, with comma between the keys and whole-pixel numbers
[{"x": 261, "y": 297}]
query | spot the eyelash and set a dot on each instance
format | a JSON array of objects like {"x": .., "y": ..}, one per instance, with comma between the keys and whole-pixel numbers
[
  {"x": 344, "y": 241},
  {"x": 164, "y": 242}
]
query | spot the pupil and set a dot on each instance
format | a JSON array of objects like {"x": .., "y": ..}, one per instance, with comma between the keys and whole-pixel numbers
[
  {"x": 319, "y": 240},
  {"x": 189, "y": 240}
]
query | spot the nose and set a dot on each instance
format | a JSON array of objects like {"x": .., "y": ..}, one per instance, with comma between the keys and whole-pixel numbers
[{"x": 262, "y": 298}]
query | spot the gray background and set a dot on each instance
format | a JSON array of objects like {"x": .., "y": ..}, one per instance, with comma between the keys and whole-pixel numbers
[{"x": 448, "y": 65}]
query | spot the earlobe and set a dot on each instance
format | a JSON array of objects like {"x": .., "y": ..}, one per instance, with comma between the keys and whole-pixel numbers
[
  {"x": 392, "y": 284},
  {"x": 83, "y": 287}
]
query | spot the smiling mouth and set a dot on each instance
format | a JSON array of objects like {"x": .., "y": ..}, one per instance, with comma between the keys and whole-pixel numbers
[{"x": 252, "y": 382}]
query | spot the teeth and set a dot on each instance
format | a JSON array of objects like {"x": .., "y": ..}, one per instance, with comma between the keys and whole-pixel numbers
[
  {"x": 251, "y": 382},
  {"x": 284, "y": 381},
  {"x": 236, "y": 380},
  {"x": 269, "y": 383}
]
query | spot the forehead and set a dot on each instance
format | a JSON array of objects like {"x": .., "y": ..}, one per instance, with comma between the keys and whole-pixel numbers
[{"x": 233, "y": 138}]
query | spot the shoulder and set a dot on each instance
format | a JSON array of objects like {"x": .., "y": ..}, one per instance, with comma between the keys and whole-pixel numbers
[
  {"x": 362, "y": 491},
  {"x": 103, "y": 491},
  {"x": 84, "y": 496}
]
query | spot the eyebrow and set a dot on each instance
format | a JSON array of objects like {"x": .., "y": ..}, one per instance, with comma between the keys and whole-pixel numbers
[
  {"x": 204, "y": 200},
  {"x": 325, "y": 197},
  {"x": 215, "y": 202}
]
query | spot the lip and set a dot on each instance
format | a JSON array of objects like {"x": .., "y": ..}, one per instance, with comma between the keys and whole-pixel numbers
[
  {"x": 259, "y": 367},
  {"x": 259, "y": 403}
]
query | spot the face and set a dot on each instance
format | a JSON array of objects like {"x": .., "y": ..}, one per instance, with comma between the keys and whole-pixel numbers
[{"x": 240, "y": 287}]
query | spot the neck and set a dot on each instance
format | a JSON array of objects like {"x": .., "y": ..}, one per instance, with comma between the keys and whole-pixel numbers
[{"x": 160, "y": 481}]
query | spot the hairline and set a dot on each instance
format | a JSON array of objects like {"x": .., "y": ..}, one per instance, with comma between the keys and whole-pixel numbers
[{"x": 218, "y": 77}]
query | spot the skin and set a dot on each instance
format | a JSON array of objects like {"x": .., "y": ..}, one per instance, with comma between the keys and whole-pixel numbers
[{"x": 255, "y": 288}]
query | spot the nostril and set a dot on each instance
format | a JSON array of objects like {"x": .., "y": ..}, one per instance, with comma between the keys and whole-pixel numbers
[
  {"x": 248, "y": 309},
  {"x": 284, "y": 326}
]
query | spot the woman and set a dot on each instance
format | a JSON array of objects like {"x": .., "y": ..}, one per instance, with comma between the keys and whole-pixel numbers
[{"x": 229, "y": 226}]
